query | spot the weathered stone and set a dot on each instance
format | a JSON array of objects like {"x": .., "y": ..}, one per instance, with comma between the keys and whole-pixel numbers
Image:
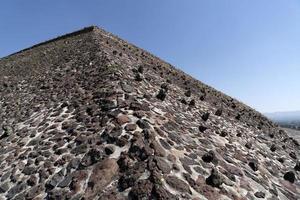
[
  {"x": 34, "y": 191},
  {"x": 80, "y": 149},
  {"x": 4, "y": 187},
  {"x": 102, "y": 174},
  {"x": 130, "y": 127},
  {"x": 66, "y": 181},
  {"x": 260, "y": 195},
  {"x": 29, "y": 170},
  {"x": 55, "y": 180},
  {"x": 178, "y": 184},
  {"x": 126, "y": 87},
  {"x": 158, "y": 149},
  {"x": 163, "y": 165},
  {"x": 122, "y": 119},
  {"x": 15, "y": 190}
]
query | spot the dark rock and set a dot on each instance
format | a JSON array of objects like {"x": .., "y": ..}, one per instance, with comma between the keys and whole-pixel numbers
[
  {"x": 32, "y": 180},
  {"x": 109, "y": 150},
  {"x": 183, "y": 101},
  {"x": 297, "y": 166},
  {"x": 92, "y": 157},
  {"x": 165, "y": 144},
  {"x": 192, "y": 103},
  {"x": 143, "y": 124},
  {"x": 7, "y": 131},
  {"x": 289, "y": 176},
  {"x": 178, "y": 184},
  {"x": 107, "y": 105},
  {"x": 188, "y": 93},
  {"x": 15, "y": 190},
  {"x": 138, "y": 77},
  {"x": 136, "y": 106},
  {"x": 5, "y": 176},
  {"x": 137, "y": 148},
  {"x": 165, "y": 86},
  {"x": 80, "y": 149},
  {"x": 141, "y": 190},
  {"x": 219, "y": 112},
  {"x": 223, "y": 133},
  {"x": 281, "y": 159},
  {"x": 273, "y": 147},
  {"x": 238, "y": 117},
  {"x": 29, "y": 170},
  {"x": 66, "y": 181},
  {"x": 260, "y": 195},
  {"x": 253, "y": 164},
  {"x": 34, "y": 191},
  {"x": 4, "y": 187},
  {"x": 202, "y": 128},
  {"x": 215, "y": 179},
  {"x": 293, "y": 155},
  {"x": 55, "y": 180},
  {"x": 129, "y": 178},
  {"x": 74, "y": 163},
  {"x": 205, "y": 116},
  {"x": 209, "y": 157},
  {"x": 162, "y": 94},
  {"x": 248, "y": 145},
  {"x": 140, "y": 69}
]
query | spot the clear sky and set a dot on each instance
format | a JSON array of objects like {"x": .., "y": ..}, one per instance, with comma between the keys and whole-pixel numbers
[{"x": 249, "y": 49}]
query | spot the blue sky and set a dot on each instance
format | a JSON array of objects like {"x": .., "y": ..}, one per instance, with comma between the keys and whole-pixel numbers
[{"x": 249, "y": 49}]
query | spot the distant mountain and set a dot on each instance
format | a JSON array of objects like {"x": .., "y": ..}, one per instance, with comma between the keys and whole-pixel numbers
[{"x": 286, "y": 119}]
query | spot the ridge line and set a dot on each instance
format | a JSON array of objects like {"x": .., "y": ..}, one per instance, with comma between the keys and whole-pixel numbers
[{"x": 71, "y": 34}]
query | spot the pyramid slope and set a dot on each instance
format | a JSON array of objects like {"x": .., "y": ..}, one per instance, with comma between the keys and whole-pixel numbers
[{"x": 88, "y": 115}]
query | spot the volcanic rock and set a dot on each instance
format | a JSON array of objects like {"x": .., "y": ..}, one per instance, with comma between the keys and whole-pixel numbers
[{"x": 89, "y": 116}]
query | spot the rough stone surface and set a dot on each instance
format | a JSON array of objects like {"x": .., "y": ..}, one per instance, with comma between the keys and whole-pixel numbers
[{"x": 90, "y": 116}]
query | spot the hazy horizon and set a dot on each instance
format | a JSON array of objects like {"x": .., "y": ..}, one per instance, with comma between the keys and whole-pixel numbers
[{"x": 246, "y": 49}]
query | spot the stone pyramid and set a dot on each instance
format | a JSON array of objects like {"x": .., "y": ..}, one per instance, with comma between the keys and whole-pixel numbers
[{"x": 89, "y": 116}]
